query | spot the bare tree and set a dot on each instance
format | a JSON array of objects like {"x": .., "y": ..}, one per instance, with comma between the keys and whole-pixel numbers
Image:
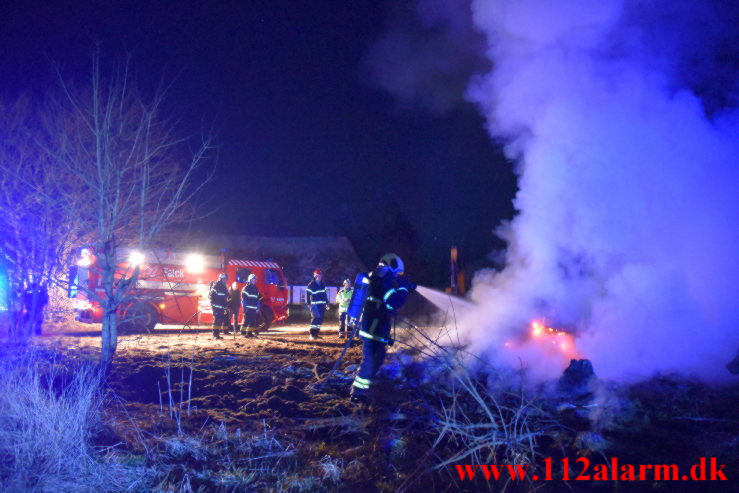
[
  {"x": 137, "y": 171},
  {"x": 35, "y": 231},
  {"x": 116, "y": 171}
]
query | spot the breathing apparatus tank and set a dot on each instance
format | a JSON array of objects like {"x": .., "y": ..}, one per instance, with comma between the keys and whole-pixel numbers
[{"x": 359, "y": 297}]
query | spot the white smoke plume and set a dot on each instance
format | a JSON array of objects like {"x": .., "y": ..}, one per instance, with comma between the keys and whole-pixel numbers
[{"x": 628, "y": 217}]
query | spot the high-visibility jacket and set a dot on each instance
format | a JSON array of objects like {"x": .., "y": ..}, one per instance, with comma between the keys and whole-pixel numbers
[
  {"x": 250, "y": 297},
  {"x": 218, "y": 295},
  {"x": 315, "y": 293},
  {"x": 343, "y": 297}
]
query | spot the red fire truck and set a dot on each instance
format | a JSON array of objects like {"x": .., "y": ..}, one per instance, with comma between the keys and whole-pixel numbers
[{"x": 173, "y": 287}]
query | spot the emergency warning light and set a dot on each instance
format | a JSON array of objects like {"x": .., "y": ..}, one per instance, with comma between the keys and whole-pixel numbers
[
  {"x": 4, "y": 304},
  {"x": 85, "y": 258}
]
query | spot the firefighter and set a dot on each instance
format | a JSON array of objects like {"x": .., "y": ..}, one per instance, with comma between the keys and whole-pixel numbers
[
  {"x": 35, "y": 299},
  {"x": 233, "y": 305},
  {"x": 342, "y": 300},
  {"x": 317, "y": 299},
  {"x": 251, "y": 299},
  {"x": 388, "y": 291},
  {"x": 218, "y": 303}
]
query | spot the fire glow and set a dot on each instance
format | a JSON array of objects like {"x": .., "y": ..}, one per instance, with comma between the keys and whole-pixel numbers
[{"x": 550, "y": 340}]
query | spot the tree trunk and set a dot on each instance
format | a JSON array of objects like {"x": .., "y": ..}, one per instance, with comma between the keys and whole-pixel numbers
[
  {"x": 109, "y": 334},
  {"x": 109, "y": 337}
]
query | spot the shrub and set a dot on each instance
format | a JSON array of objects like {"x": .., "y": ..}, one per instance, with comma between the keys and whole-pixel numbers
[{"x": 48, "y": 414}]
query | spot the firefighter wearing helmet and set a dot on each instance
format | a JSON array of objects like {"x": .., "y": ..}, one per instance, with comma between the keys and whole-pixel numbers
[
  {"x": 251, "y": 299},
  {"x": 343, "y": 297},
  {"x": 218, "y": 296},
  {"x": 317, "y": 299},
  {"x": 388, "y": 291}
]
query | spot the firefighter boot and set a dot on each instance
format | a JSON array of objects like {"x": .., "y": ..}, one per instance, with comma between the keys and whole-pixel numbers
[
  {"x": 216, "y": 333},
  {"x": 313, "y": 333}
]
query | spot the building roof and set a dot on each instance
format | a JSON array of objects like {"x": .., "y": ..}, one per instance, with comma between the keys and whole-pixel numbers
[{"x": 298, "y": 256}]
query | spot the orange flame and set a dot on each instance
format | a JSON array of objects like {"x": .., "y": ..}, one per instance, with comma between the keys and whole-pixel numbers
[{"x": 551, "y": 339}]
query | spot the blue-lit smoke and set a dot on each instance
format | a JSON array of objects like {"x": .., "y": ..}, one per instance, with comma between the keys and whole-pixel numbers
[{"x": 628, "y": 222}]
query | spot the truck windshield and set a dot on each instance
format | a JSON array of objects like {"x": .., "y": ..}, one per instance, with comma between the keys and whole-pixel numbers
[
  {"x": 242, "y": 275},
  {"x": 272, "y": 276}
]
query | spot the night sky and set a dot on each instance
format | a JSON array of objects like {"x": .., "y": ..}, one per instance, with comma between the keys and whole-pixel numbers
[{"x": 308, "y": 146}]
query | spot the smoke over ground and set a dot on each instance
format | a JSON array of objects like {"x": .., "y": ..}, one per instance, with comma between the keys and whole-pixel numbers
[{"x": 627, "y": 153}]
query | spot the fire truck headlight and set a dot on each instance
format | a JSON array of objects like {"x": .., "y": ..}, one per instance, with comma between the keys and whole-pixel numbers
[
  {"x": 195, "y": 263},
  {"x": 136, "y": 258}
]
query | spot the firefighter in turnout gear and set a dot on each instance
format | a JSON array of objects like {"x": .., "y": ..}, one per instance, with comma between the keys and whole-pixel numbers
[
  {"x": 342, "y": 300},
  {"x": 317, "y": 299},
  {"x": 233, "y": 307},
  {"x": 388, "y": 291},
  {"x": 250, "y": 299},
  {"x": 218, "y": 297},
  {"x": 35, "y": 298}
]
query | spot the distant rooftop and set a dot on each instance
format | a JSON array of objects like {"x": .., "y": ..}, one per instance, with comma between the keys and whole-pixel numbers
[{"x": 298, "y": 256}]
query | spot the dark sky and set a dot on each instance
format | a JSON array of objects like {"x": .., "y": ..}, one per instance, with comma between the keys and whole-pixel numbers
[{"x": 307, "y": 145}]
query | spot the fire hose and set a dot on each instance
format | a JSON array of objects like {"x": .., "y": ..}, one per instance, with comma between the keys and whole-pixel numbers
[{"x": 354, "y": 328}]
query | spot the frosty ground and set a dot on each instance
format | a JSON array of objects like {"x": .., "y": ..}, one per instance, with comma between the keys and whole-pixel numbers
[
  {"x": 182, "y": 384},
  {"x": 185, "y": 412},
  {"x": 235, "y": 380}
]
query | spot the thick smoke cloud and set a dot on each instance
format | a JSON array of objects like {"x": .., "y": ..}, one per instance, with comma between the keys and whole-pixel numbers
[{"x": 628, "y": 220}]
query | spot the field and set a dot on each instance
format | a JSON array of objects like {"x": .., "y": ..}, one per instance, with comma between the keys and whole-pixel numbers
[{"x": 181, "y": 411}]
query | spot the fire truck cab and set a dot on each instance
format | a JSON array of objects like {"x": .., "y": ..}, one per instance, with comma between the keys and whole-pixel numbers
[{"x": 173, "y": 288}]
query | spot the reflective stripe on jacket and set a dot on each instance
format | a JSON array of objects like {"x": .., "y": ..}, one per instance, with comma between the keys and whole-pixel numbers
[
  {"x": 315, "y": 293},
  {"x": 218, "y": 295},
  {"x": 250, "y": 297}
]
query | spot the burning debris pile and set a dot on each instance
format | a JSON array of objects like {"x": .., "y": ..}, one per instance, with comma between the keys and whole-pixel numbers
[
  {"x": 550, "y": 340},
  {"x": 627, "y": 216}
]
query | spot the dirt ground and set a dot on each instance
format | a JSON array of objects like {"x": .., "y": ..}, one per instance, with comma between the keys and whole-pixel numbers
[
  {"x": 175, "y": 383},
  {"x": 248, "y": 386},
  {"x": 234, "y": 380}
]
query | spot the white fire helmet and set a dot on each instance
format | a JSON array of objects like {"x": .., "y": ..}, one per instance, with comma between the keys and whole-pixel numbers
[
  {"x": 252, "y": 277},
  {"x": 393, "y": 263},
  {"x": 222, "y": 276}
]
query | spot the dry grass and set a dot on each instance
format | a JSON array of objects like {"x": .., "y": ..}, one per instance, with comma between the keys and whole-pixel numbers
[
  {"x": 488, "y": 426},
  {"x": 47, "y": 418},
  {"x": 222, "y": 460},
  {"x": 474, "y": 423}
]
